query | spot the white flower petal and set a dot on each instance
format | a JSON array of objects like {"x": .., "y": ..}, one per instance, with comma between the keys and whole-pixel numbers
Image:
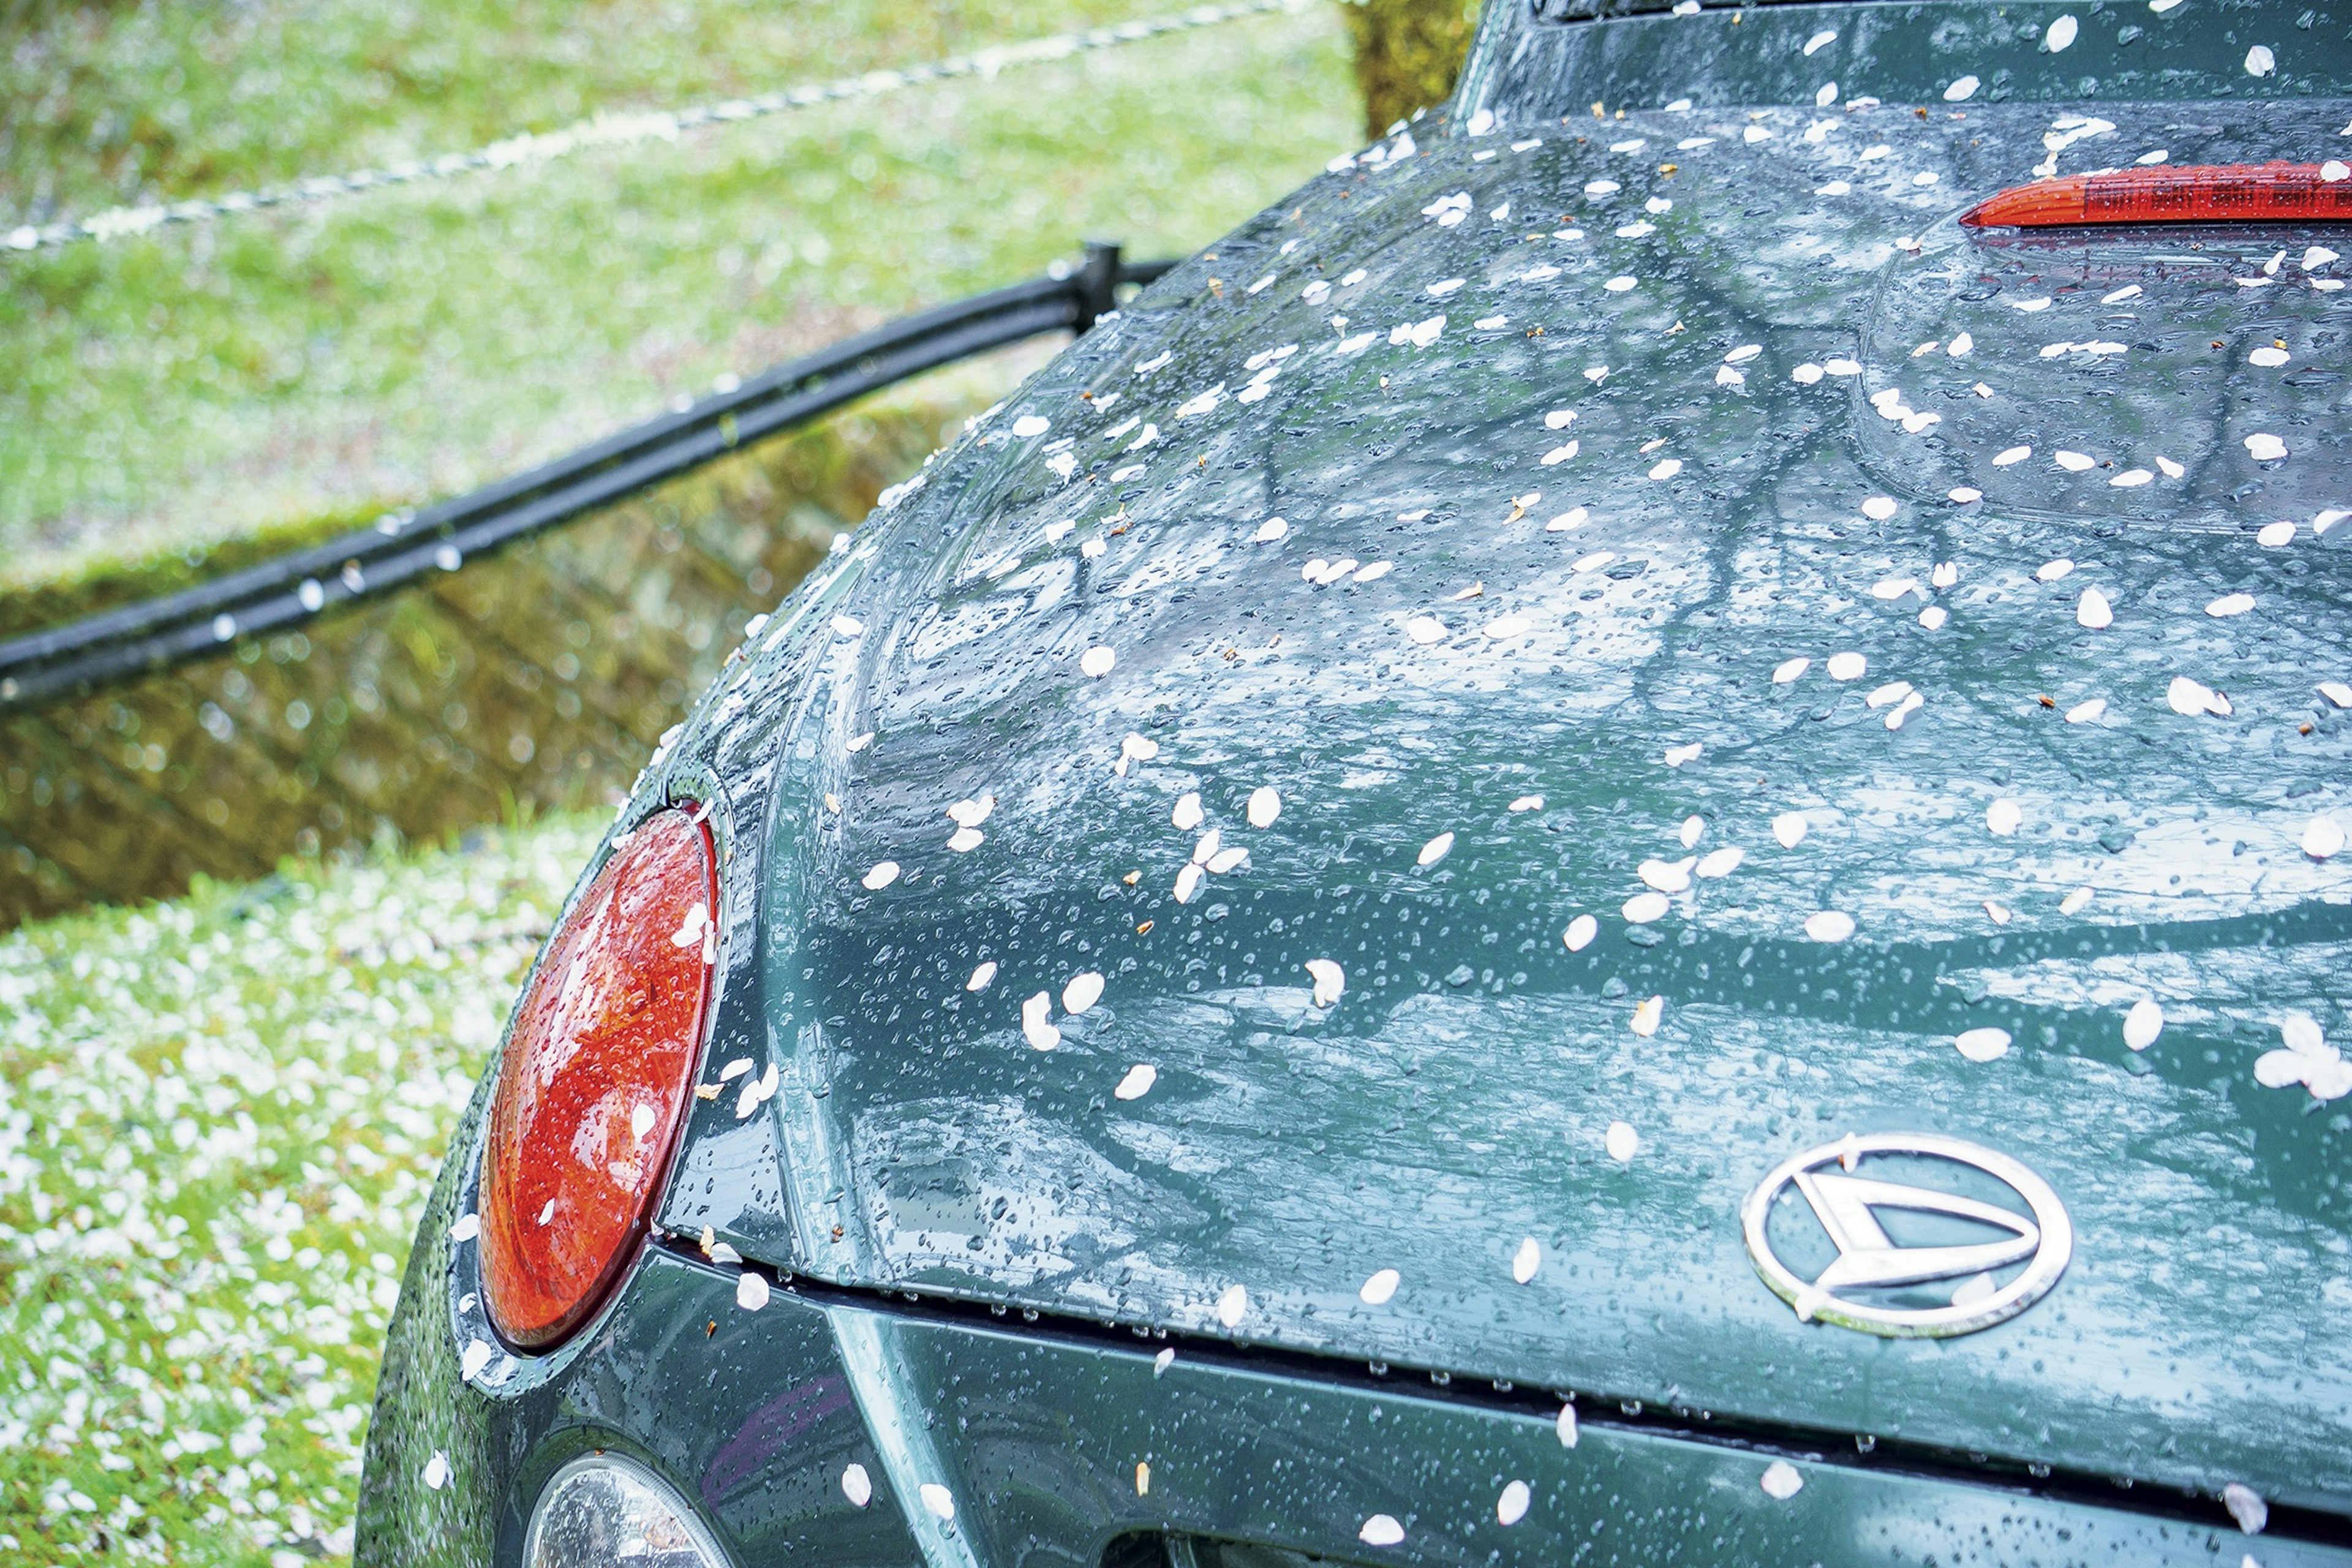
[
  {"x": 1828, "y": 925},
  {"x": 1035, "y": 1024},
  {"x": 1083, "y": 992},
  {"x": 1621, "y": 1142},
  {"x": 1983, "y": 1045}
]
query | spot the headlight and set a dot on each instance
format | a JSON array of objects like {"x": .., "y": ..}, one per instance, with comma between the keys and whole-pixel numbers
[{"x": 603, "y": 1509}]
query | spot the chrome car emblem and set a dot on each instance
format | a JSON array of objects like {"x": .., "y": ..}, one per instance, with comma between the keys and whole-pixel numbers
[{"x": 1853, "y": 1290}]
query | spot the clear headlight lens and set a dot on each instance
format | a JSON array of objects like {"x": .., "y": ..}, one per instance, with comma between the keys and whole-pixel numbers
[{"x": 604, "y": 1509}]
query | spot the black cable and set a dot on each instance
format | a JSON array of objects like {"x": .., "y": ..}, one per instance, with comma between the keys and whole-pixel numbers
[{"x": 155, "y": 634}]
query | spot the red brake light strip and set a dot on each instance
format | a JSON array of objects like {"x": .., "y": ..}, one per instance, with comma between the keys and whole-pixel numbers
[{"x": 2212, "y": 193}]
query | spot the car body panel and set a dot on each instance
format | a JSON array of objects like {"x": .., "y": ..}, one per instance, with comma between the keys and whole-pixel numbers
[
  {"x": 753, "y": 1417},
  {"x": 1454, "y": 1102},
  {"x": 1034, "y": 1438},
  {"x": 1739, "y": 56}
]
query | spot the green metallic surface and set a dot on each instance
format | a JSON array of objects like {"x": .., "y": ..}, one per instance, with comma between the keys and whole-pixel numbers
[
  {"x": 1453, "y": 1103},
  {"x": 1035, "y": 1438},
  {"x": 1452, "y": 1106}
]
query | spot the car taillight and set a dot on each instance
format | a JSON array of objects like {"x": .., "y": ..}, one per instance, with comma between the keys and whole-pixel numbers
[
  {"x": 2216, "y": 192},
  {"x": 594, "y": 1082}
]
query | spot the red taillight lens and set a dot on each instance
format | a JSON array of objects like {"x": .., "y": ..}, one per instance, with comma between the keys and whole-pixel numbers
[
  {"x": 594, "y": 1081},
  {"x": 2215, "y": 192}
]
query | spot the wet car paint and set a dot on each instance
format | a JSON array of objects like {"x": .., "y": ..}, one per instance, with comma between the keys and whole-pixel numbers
[
  {"x": 979, "y": 1443},
  {"x": 1453, "y": 1104}
]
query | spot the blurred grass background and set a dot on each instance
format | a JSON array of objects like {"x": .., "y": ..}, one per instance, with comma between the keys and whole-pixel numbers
[
  {"x": 219, "y": 1115},
  {"x": 165, "y": 392}
]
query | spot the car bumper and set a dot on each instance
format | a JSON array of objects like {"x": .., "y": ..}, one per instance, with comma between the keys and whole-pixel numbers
[{"x": 989, "y": 1442}]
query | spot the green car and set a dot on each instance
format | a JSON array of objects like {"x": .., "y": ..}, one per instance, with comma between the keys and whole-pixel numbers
[{"x": 1623, "y": 841}]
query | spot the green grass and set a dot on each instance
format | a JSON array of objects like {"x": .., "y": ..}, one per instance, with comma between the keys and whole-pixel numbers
[
  {"x": 220, "y": 1116},
  {"x": 219, "y": 1119},
  {"x": 173, "y": 390}
]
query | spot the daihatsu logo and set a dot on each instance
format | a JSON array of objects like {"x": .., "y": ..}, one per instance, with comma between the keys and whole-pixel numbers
[{"x": 1818, "y": 1228}]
